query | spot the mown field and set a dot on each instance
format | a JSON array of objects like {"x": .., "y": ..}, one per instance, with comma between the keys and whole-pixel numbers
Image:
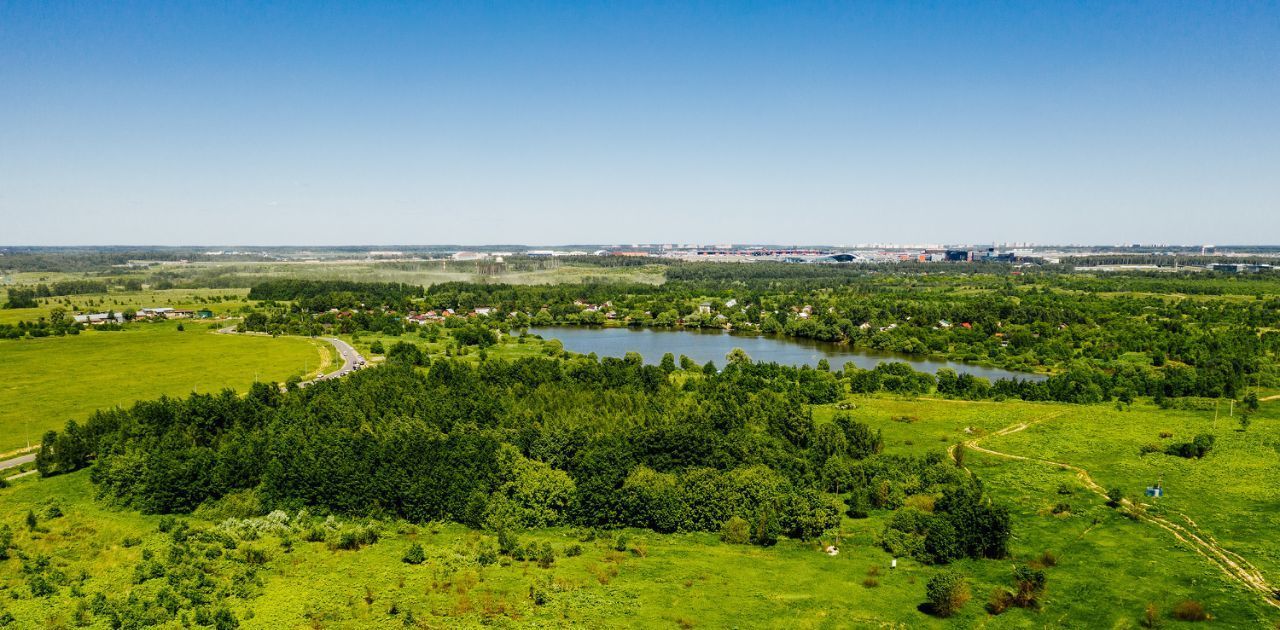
[
  {"x": 45, "y": 382},
  {"x": 1103, "y": 568}
]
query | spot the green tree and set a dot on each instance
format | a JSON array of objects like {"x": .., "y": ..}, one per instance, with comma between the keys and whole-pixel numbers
[
  {"x": 737, "y": 356},
  {"x": 668, "y": 364}
]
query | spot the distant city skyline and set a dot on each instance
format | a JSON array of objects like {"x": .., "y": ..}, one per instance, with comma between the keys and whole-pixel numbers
[{"x": 292, "y": 123}]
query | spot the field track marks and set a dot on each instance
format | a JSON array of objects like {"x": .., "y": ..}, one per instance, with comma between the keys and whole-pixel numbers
[{"x": 1231, "y": 563}]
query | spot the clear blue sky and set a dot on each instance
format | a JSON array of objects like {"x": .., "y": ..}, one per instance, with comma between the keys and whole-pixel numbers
[{"x": 478, "y": 122}]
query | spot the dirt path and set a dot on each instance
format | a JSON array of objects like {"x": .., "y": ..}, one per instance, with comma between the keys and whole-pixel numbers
[{"x": 1233, "y": 564}]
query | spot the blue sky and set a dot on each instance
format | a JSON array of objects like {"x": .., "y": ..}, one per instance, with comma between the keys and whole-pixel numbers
[{"x": 543, "y": 123}]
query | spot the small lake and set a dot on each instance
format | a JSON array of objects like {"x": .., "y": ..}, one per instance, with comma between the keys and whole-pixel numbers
[{"x": 703, "y": 346}]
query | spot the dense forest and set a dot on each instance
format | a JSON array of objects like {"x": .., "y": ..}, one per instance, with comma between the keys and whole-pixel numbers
[
  {"x": 322, "y": 295},
  {"x": 538, "y": 442}
]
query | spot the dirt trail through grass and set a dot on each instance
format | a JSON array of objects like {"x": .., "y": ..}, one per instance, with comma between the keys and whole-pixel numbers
[{"x": 1233, "y": 564}]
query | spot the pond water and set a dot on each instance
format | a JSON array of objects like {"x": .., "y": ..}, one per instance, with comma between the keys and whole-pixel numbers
[{"x": 703, "y": 346}]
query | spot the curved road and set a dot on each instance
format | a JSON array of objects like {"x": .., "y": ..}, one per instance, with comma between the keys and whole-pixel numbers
[{"x": 351, "y": 361}]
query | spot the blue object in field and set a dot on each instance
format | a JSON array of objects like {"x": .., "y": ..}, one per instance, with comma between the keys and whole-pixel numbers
[{"x": 1156, "y": 491}]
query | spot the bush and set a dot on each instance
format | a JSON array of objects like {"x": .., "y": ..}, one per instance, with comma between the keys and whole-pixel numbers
[
  {"x": 131, "y": 541},
  {"x": 1195, "y": 449},
  {"x": 572, "y": 551},
  {"x": 414, "y": 555},
  {"x": 546, "y": 556},
  {"x": 766, "y": 530},
  {"x": 736, "y": 531},
  {"x": 1115, "y": 496},
  {"x": 1001, "y": 600},
  {"x": 947, "y": 593},
  {"x": 620, "y": 543},
  {"x": 1190, "y": 610},
  {"x": 858, "y": 504},
  {"x": 352, "y": 538},
  {"x": 1029, "y": 586}
]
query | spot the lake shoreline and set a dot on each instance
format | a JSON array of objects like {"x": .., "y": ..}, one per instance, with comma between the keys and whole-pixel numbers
[{"x": 783, "y": 349}]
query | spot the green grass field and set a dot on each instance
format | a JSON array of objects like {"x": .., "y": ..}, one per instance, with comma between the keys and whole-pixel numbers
[
  {"x": 45, "y": 382},
  {"x": 222, "y": 302}
]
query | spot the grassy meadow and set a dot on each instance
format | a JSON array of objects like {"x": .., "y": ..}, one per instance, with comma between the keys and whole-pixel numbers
[
  {"x": 1104, "y": 569},
  {"x": 222, "y": 302},
  {"x": 45, "y": 382}
]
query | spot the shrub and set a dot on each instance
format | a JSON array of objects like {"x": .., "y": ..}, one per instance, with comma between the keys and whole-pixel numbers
[
  {"x": 1190, "y": 610},
  {"x": 870, "y": 582},
  {"x": 859, "y": 504},
  {"x": 1062, "y": 507},
  {"x": 508, "y": 543},
  {"x": 131, "y": 541},
  {"x": 546, "y": 556},
  {"x": 1115, "y": 496},
  {"x": 947, "y": 593},
  {"x": 1195, "y": 449},
  {"x": 736, "y": 531},
  {"x": 1029, "y": 586},
  {"x": 487, "y": 553},
  {"x": 620, "y": 543},
  {"x": 1001, "y": 600},
  {"x": 414, "y": 555},
  {"x": 352, "y": 538},
  {"x": 573, "y": 551},
  {"x": 766, "y": 530}
]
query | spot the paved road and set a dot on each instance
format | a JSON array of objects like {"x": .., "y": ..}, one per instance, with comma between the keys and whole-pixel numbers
[
  {"x": 351, "y": 359},
  {"x": 17, "y": 461}
]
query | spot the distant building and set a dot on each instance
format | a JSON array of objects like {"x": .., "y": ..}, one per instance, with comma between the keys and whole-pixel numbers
[
  {"x": 1239, "y": 267},
  {"x": 99, "y": 318}
]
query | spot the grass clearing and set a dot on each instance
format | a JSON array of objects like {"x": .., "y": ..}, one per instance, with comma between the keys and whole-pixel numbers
[{"x": 45, "y": 382}]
